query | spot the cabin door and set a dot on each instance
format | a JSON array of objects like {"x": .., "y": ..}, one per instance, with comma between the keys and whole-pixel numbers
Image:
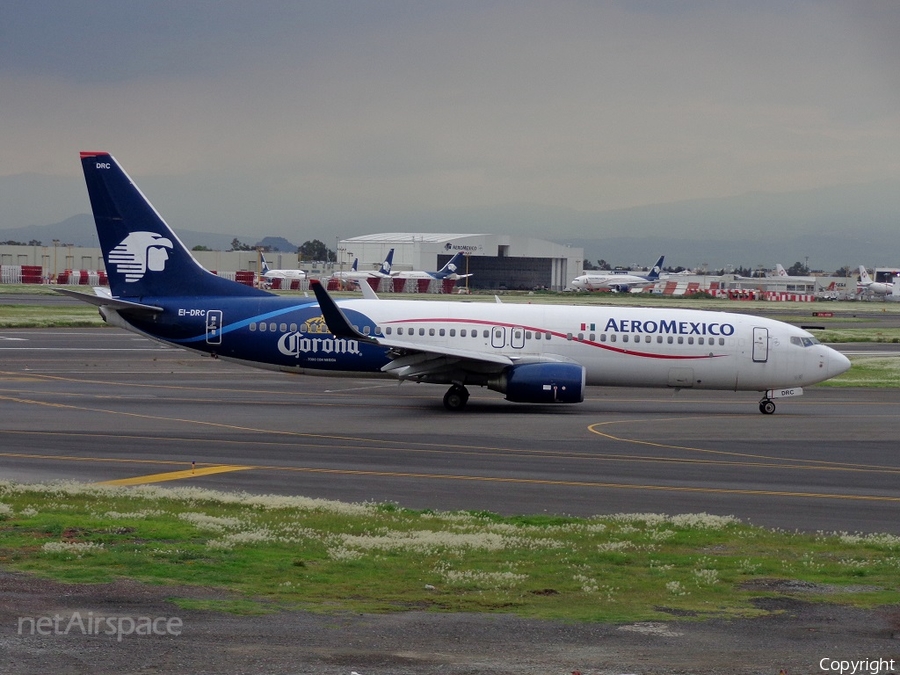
[
  {"x": 760, "y": 345},
  {"x": 517, "y": 337},
  {"x": 498, "y": 337}
]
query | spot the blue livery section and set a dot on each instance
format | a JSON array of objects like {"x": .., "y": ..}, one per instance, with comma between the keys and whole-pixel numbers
[
  {"x": 452, "y": 266},
  {"x": 149, "y": 268},
  {"x": 386, "y": 266}
]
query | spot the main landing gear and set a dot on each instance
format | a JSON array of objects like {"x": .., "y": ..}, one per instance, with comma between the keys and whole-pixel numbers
[
  {"x": 766, "y": 406},
  {"x": 456, "y": 397}
]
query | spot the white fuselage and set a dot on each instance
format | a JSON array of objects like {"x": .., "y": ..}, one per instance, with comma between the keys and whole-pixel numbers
[
  {"x": 285, "y": 274},
  {"x": 356, "y": 275},
  {"x": 630, "y": 346},
  {"x": 599, "y": 282}
]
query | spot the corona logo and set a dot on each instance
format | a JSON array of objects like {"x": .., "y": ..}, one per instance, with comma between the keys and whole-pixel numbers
[
  {"x": 316, "y": 325},
  {"x": 297, "y": 344}
]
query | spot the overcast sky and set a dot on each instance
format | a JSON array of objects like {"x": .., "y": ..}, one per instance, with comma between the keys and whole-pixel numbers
[{"x": 287, "y": 117}]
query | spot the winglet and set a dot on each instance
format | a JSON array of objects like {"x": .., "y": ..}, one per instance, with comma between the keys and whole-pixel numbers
[
  {"x": 335, "y": 319},
  {"x": 367, "y": 291}
]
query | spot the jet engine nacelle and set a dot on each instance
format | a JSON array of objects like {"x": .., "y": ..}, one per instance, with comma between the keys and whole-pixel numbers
[{"x": 542, "y": 383}]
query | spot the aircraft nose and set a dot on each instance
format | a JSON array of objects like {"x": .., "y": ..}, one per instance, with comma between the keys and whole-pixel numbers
[{"x": 836, "y": 363}]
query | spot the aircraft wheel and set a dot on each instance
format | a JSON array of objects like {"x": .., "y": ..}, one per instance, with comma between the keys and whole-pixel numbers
[
  {"x": 456, "y": 397},
  {"x": 766, "y": 407}
]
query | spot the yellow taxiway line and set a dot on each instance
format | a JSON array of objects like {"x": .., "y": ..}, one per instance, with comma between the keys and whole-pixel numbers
[{"x": 174, "y": 475}]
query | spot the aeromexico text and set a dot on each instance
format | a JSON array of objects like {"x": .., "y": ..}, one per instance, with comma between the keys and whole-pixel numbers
[{"x": 672, "y": 327}]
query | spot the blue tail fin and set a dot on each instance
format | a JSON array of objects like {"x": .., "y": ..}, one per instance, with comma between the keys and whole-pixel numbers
[
  {"x": 657, "y": 268},
  {"x": 452, "y": 266},
  {"x": 387, "y": 264},
  {"x": 353, "y": 267},
  {"x": 265, "y": 265},
  {"x": 143, "y": 256}
]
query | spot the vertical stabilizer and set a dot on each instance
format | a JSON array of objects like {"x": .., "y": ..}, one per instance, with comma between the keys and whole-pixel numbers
[
  {"x": 452, "y": 266},
  {"x": 387, "y": 264},
  {"x": 143, "y": 256}
]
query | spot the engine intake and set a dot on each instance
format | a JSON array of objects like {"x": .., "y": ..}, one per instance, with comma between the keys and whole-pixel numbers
[{"x": 542, "y": 383}]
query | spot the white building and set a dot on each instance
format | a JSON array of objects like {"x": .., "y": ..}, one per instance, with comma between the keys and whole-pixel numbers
[{"x": 495, "y": 261}]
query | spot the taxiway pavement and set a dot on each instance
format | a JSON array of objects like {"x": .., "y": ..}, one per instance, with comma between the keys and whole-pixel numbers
[{"x": 105, "y": 405}]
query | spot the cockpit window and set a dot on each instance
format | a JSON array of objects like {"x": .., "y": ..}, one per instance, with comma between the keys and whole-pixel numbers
[{"x": 804, "y": 341}]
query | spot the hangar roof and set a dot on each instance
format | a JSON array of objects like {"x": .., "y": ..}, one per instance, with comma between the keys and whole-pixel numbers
[{"x": 410, "y": 237}]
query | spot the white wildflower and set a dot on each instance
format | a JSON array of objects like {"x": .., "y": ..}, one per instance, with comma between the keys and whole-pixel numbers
[
  {"x": 706, "y": 576},
  {"x": 132, "y": 515},
  {"x": 342, "y": 554},
  {"x": 588, "y": 585},
  {"x": 877, "y": 539},
  {"x": 482, "y": 579},
  {"x": 205, "y": 521},
  {"x": 675, "y": 588},
  {"x": 76, "y": 548}
]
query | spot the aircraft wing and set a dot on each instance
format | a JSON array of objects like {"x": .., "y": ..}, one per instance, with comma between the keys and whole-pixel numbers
[{"x": 410, "y": 359}]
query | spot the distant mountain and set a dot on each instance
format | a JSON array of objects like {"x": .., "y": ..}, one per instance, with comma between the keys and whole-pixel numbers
[
  {"x": 80, "y": 231},
  {"x": 835, "y": 226},
  {"x": 278, "y": 244}
]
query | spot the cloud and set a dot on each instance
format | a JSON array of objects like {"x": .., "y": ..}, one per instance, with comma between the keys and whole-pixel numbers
[{"x": 338, "y": 114}]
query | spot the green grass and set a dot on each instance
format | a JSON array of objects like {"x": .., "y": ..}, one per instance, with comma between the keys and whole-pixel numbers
[
  {"x": 274, "y": 553},
  {"x": 868, "y": 371},
  {"x": 843, "y": 335},
  {"x": 63, "y": 316}
]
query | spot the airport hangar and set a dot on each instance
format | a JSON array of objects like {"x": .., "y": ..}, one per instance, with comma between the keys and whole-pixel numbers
[{"x": 496, "y": 262}]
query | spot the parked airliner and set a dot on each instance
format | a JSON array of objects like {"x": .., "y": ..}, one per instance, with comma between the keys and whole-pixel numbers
[
  {"x": 355, "y": 275},
  {"x": 872, "y": 288},
  {"x": 620, "y": 282},
  {"x": 268, "y": 273},
  {"x": 449, "y": 271},
  {"x": 530, "y": 353},
  {"x": 781, "y": 273}
]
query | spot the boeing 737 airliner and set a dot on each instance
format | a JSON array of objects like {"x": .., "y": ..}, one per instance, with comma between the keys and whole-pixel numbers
[
  {"x": 617, "y": 282},
  {"x": 530, "y": 353}
]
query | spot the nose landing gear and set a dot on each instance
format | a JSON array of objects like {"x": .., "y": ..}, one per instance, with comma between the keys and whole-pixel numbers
[{"x": 766, "y": 406}]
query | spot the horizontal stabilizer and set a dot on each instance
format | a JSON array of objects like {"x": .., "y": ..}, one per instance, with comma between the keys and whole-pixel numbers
[{"x": 107, "y": 301}]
